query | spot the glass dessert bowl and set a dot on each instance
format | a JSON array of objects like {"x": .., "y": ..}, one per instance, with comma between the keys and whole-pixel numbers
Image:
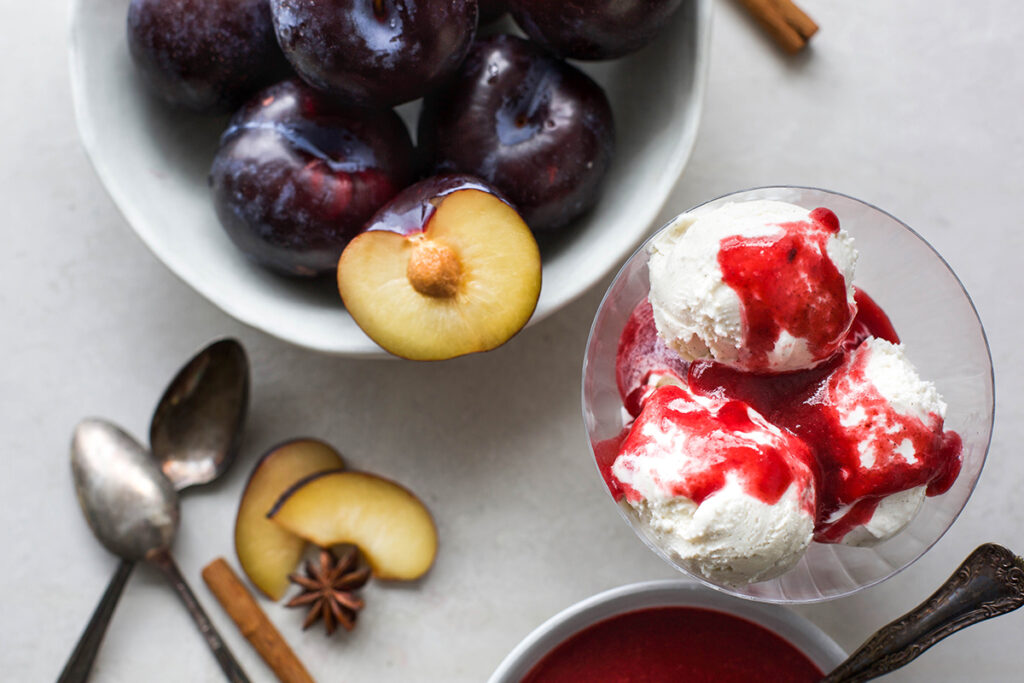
[{"x": 944, "y": 339}]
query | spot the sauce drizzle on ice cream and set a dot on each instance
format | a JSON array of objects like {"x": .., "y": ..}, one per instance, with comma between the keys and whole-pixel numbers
[
  {"x": 787, "y": 283},
  {"x": 640, "y": 352},
  {"x": 688, "y": 446},
  {"x": 863, "y": 448}
]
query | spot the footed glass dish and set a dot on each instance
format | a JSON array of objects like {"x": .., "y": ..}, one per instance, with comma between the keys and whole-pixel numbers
[{"x": 944, "y": 338}]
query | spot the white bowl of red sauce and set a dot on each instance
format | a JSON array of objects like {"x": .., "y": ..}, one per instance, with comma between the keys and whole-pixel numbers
[{"x": 671, "y": 631}]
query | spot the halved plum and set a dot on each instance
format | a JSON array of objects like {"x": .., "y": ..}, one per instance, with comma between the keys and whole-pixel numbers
[{"x": 446, "y": 268}]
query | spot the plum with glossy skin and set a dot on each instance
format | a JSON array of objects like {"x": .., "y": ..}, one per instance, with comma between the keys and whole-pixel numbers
[
  {"x": 375, "y": 51},
  {"x": 492, "y": 10},
  {"x": 446, "y": 268},
  {"x": 533, "y": 126},
  {"x": 297, "y": 175},
  {"x": 204, "y": 55},
  {"x": 592, "y": 29}
]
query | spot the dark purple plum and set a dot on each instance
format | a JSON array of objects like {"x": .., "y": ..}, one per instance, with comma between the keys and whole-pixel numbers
[
  {"x": 204, "y": 55},
  {"x": 533, "y": 126},
  {"x": 491, "y": 10},
  {"x": 592, "y": 29},
  {"x": 298, "y": 174},
  {"x": 375, "y": 51}
]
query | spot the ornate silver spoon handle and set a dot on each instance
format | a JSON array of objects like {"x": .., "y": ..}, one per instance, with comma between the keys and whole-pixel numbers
[
  {"x": 990, "y": 582},
  {"x": 162, "y": 560}
]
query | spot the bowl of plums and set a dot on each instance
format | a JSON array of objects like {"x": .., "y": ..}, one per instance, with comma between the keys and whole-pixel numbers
[{"x": 420, "y": 178}]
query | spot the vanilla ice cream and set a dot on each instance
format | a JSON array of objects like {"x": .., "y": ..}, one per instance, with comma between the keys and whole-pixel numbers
[
  {"x": 762, "y": 286},
  {"x": 809, "y": 427},
  {"x": 890, "y": 516},
  {"x": 716, "y": 486},
  {"x": 887, "y": 445}
]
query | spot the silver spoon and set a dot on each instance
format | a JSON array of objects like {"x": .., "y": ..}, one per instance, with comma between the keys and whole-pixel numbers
[
  {"x": 133, "y": 510},
  {"x": 990, "y": 582},
  {"x": 194, "y": 435},
  {"x": 197, "y": 425}
]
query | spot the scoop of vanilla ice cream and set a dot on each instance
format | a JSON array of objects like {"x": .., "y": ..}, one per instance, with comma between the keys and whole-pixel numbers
[
  {"x": 896, "y": 379},
  {"x": 891, "y": 438},
  {"x": 697, "y": 313},
  {"x": 731, "y": 538},
  {"x": 701, "y": 477},
  {"x": 891, "y": 516}
]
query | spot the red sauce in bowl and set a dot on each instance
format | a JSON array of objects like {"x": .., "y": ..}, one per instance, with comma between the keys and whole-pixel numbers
[{"x": 673, "y": 644}]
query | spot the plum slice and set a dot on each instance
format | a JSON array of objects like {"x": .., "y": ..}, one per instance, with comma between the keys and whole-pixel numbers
[
  {"x": 267, "y": 552},
  {"x": 390, "y": 525}
]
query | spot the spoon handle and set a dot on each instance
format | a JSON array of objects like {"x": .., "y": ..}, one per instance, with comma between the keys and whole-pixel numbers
[
  {"x": 990, "y": 582},
  {"x": 163, "y": 561},
  {"x": 77, "y": 668}
]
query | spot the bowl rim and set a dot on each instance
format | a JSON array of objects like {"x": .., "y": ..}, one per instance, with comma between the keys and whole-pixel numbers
[
  {"x": 989, "y": 423},
  {"x": 796, "y": 629},
  {"x": 360, "y": 345}
]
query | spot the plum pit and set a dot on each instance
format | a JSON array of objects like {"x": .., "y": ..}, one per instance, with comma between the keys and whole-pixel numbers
[{"x": 434, "y": 269}]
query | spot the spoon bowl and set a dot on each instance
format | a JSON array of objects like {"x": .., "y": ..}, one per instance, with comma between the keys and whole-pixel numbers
[
  {"x": 130, "y": 506},
  {"x": 197, "y": 425}
]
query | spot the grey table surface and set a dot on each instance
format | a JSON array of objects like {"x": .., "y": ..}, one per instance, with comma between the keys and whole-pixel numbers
[{"x": 914, "y": 106}]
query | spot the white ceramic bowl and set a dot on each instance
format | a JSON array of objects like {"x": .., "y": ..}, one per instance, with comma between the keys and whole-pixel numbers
[
  {"x": 944, "y": 338},
  {"x": 801, "y": 633},
  {"x": 154, "y": 163}
]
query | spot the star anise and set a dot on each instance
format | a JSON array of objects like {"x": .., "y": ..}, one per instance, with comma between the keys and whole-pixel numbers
[{"x": 328, "y": 591}]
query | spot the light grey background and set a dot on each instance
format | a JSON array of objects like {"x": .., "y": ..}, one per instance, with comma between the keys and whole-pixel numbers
[{"x": 914, "y": 106}]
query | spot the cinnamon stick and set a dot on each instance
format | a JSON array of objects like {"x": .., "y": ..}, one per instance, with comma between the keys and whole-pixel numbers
[
  {"x": 251, "y": 620},
  {"x": 785, "y": 22},
  {"x": 796, "y": 18}
]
